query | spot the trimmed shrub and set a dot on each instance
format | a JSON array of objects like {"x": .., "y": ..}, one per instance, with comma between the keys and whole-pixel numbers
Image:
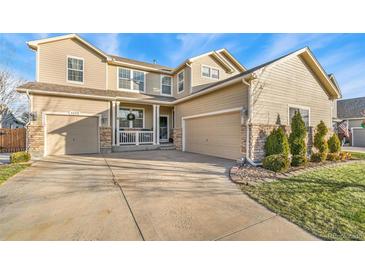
[
  {"x": 297, "y": 136},
  {"x": 345, "y": 156},
  {"x": 276, "y": 163},
  {"x": 334, "y": 144},
  {"x": 19, "y": 157},
  {"x": 277, "y": 143},
  {"x": 298, "y": 160},
  {"x": 318, "y": 157},
  {"x": 320, "y": 142},
  {"x": 333, "y": 156}
]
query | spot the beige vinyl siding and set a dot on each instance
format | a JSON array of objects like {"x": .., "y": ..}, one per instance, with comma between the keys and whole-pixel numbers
[
  {"x": 216, "y": 135},
  {"x": 53, "y": 64},
  {"x": 42, "y": 104},
  {"x": 198, "y": 80},
  {"x": 289, "y": 82},
  {"x": 226, "y": 98}
]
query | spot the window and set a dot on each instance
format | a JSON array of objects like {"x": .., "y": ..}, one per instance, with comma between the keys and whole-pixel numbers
[
  {"x": 210, "y": 72},
  {"x": 138, "y": 122},
  {"x": 303, "y": 111},
  {"x": 215, "y": 73},
  {"x": 131, "y": 79},
  {"x": 180, "y": 82},
  {"x": 75, "y": 69},
  {"x": 166, "y": 85}
]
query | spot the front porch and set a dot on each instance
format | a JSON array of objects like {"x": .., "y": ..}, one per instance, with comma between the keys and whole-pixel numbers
[{"x": 140, "y": 127}]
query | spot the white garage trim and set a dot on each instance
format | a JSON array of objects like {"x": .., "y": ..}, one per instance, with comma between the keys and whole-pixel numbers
[
  {"x": 204, "y": 115},
  {"x": 44, "y": 123}
]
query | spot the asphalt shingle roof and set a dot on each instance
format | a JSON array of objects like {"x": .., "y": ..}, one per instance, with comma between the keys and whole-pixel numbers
[{"x": 351, "y": 108}]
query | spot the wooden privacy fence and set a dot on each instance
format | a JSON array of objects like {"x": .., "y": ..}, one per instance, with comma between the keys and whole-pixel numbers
[{"x": 12, "y": 140}]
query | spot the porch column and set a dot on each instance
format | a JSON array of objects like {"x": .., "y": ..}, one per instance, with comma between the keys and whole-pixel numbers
[
  {"x": 158, "y": 124},
  {"x": 113, "y": 123},
  {"x": 117, "y": 120},
  {"x": 154, "y": 124}
]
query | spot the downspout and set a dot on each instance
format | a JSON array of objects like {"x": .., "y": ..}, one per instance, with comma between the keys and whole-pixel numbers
[
  {"x": 191, "y": 77},
  {"x": 29, "y": 118},
  {"x": 248, "y": 121}
]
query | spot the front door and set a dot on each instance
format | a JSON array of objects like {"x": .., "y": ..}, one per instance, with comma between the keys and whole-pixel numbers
[{"x": 164, "y": 128}]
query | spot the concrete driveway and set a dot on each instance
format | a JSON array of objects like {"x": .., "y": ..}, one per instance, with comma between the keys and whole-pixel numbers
[{"x": 154, "y": 195}]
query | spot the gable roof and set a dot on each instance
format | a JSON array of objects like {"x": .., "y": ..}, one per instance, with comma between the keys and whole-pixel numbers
[
  {"x": 306, "y": 54},
  {"x": 143, "y": 65},
  {"x": 351, "y": 108},
  {"x": 34, "y": 44}
]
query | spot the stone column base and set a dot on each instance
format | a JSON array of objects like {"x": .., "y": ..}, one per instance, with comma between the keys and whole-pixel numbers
[
  {"x": 177, "y": 135},
  {"x": 105, "y": 139}
]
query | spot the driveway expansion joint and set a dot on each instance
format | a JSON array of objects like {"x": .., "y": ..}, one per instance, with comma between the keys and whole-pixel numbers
[
  {"x": 246, "y": 227},
  {"x": 115, "y": 181}
]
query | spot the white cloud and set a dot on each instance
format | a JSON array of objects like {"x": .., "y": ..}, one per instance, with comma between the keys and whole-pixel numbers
[
  {"x": 192, "y": 45},
  {"x": 109, "y": 43}
]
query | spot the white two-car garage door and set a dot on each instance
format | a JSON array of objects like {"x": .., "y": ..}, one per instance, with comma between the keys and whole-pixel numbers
[
  {"x": 216, "y": 135},
  {"x": 358, "y": 137},
  {"x": 71, "y": 134}
]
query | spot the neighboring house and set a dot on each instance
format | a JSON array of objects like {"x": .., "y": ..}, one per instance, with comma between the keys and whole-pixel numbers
[
  {"x": 8, "y": 118},
  {"x": 86, "y": 101},
  {"x": 353, "y": 112}
]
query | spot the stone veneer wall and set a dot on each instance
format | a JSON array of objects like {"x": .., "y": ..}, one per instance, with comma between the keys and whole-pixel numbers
[
  {"x": 177, "y": 136},
  {"x": 35, "y": 135},
  {"x": 105, "y": 139}
]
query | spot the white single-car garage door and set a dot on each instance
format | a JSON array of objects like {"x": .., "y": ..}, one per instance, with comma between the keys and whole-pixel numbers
[
  {"x": 216, "y": 135},
  {"x": 70, "y": 134},
  {"x": 358, "y": 137}
]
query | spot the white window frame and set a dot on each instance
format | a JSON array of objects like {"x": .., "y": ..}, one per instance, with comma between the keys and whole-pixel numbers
[
  {"x": 131, "y": 73},
  {"x": 177, "y": 82},
  {"x": 210, "y": 72},
  {"x": 131, "y": 122},
  {"x": 172, "y": 85},
  {"x": 300, "y": 107},
  {"x": 83, "y": 70}
]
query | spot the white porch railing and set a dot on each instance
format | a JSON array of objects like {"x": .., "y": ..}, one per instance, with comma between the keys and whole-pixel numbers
[{"x": 135, "y": 137}]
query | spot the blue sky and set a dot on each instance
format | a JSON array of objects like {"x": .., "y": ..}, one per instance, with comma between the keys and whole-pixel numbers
[{"x": 341, "y": 54}]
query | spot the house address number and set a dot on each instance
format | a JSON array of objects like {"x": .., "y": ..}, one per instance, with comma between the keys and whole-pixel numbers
[{"x": 74, "y": 112}]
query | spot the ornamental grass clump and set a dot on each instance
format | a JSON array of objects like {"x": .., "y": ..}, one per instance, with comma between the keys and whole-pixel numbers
[{"x": 297, "y": 137}]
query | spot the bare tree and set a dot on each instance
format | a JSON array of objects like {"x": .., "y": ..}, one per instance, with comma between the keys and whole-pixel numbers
[{"x": 11, "y": 102}]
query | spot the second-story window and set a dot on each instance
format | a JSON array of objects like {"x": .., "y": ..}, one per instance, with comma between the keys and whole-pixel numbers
[
  {"x": 180, "y": 82},
  {"x": 166, "y": 85},
  {"x": 75, "y": 69},
  {"x": 131, "y": 79},
  {"x": 210, "y": 72}
]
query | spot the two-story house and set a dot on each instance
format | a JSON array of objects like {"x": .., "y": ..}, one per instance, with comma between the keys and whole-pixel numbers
[{"x": 87, "y": 101}]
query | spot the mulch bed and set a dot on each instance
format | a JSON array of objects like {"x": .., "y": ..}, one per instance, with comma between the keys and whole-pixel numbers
[{"x": 250, "y": 175}]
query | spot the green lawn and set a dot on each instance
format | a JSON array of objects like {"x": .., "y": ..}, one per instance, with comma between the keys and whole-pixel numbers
[
  {"x": 357, "y": 155},
  {"x": 330, "y": 203},
  {"x": 6, "y": 171}
]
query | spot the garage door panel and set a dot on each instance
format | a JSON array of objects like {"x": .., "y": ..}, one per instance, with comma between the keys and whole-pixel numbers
[
  {"x": 358, "y": 137},
  {"x": 71, "y": 134},
  {"x": 218, "y": 135}
]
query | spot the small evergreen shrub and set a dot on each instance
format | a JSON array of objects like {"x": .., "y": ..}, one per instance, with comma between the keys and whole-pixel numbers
[
  {"x": 334, "y": 144},
  {"x": 298, "y": 160},
  {"x": 297, "y": 136},
  {"x": 19, "y": 157},
  {"x": 277, "y": 143},
  {"x": 276, "y": 163},
  {"x": 320, "y": 142},
  {"x": 333, "y": 156},
  {"x": 318, "y": 157}
]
